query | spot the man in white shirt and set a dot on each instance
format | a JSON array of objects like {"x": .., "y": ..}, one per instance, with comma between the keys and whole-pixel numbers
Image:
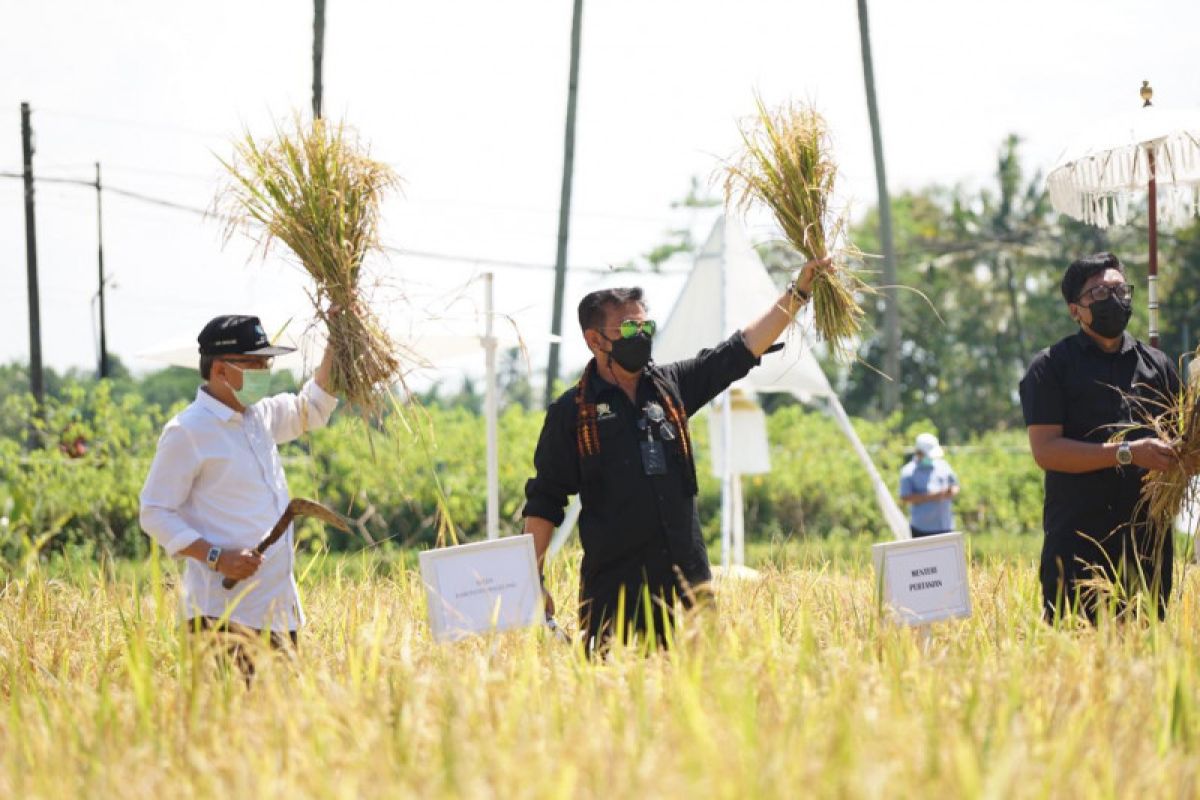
[{"x": 217, "y": 485}]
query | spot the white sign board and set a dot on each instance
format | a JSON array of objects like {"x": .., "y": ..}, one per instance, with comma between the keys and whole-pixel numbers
[
  {"x": 924, "y": 580},
  {"x": 482, "y": 587}
]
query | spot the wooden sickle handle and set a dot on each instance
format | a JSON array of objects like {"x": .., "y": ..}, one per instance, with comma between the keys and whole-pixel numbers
[{"x": 284, "y": 520}]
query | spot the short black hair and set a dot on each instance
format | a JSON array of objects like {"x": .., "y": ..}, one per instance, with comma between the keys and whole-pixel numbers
[
  {"x": 1081, "y": 269},
  {"x": 593, "y": 307},
  {"x": 206, "y": 363}
]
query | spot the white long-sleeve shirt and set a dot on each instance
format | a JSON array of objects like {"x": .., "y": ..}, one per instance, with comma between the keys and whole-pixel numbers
[{"x": 217, "y": 475}]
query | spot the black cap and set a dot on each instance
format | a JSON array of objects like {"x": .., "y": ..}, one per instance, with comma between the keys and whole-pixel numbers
[{"x": 237, "y": 334}]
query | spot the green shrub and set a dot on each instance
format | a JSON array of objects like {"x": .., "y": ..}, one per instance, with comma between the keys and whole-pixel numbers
[{"x": 390, "y": 479}]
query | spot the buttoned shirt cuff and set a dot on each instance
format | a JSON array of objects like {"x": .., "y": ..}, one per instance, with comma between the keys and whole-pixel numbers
[
  {"x": 749, "y": 360},
  {"x": 544, "y": 509}
]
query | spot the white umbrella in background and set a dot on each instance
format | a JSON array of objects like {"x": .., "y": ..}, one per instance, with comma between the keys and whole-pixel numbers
[
  {"x": 431, "y": 343},
  {"x": 1153, "y": 152}
]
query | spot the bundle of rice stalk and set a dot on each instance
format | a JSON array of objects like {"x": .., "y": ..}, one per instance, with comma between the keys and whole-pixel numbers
[
  {"x": 1176, "y": 420},
  {"x": 314, "y": 188},
  {"x": 788, "y": 166}
]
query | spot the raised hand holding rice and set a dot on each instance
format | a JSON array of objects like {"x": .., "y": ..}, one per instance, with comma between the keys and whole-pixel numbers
[
  {"x": 315, "y": 188},
  {"x": 787, "y": 165}
]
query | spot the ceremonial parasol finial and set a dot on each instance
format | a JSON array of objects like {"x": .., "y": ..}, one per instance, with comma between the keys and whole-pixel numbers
[{"x": 1147, "y": 92}]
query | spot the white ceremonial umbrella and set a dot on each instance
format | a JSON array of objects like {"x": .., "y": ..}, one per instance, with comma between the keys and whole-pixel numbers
[{"x": 1153, "y": 150}]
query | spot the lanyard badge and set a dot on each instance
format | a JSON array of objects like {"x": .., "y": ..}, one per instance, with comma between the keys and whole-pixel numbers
[
  {"x": 654, "y": 458},
  {"x": 654, "y": 455}
]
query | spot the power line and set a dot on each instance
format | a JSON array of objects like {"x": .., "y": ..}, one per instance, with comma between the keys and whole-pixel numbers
[
  {"x": 401, "y": 251},
  {"x": 497, "y": 262},
  {"x": 664, "y": 221},
  {"x": 165, "y": 173},
  {"x": 418, "y": 201}
]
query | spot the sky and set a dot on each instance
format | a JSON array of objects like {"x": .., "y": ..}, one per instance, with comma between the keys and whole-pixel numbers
[{"x": 467, "y": 101}]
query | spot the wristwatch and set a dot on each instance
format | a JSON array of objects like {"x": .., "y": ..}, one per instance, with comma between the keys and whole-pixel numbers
[
  {"x": 1124, "y": 454},
  {"x": 214, "y": 555}
]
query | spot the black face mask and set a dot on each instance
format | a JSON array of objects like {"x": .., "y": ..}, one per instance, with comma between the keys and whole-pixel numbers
[
  {"x": 1110, "y": 316},
  {"x": 632, "y": 354}
]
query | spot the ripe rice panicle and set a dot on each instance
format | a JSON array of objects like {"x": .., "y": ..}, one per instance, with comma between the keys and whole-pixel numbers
[
  {"x": 787, "y": 165},
  {"x": 314, "y": 187}
]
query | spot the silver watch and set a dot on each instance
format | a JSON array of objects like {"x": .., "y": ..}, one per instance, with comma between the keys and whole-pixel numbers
[
  {"x": 1124, "y": 454},
  {"x": 214, "y": 555}
]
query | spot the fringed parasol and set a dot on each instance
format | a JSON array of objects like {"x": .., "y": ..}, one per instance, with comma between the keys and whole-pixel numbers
[{"x": 1155, "y": 150}]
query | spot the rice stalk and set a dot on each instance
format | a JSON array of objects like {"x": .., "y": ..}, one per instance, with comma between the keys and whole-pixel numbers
[
  {"x": 1175, "y": 419},
  {"x": 314, "y": 188},
  {"x": 787, "y": 165}
]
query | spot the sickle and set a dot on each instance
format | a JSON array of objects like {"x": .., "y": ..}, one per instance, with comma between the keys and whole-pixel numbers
[{"x": 296, "y": 507}]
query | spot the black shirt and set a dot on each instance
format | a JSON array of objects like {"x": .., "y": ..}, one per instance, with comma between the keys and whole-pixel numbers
[
  {"x": 629, "y": 518},
  {"x": 1088, "y": 392}
]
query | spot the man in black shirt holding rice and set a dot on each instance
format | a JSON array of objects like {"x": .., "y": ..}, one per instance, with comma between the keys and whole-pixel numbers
[
  {"x": 1074, "y": 396},
  {"x": 619, "y": 438}
]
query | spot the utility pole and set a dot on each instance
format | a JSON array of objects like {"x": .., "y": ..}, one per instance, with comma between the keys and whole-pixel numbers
[
  {"x": 35, "y": 318},
  {"x": 100, "y": 265},
  {"x": 318, "y": 54},
  {"x": 891, "y": 312},
  {"x": 564, "y": 207}
]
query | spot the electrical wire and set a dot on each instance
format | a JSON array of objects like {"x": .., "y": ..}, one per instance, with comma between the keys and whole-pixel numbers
[{"x": 400, "y": 251}]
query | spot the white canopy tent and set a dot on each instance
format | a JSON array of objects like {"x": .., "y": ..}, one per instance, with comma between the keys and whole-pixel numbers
[{"x": 727, "y": 288}]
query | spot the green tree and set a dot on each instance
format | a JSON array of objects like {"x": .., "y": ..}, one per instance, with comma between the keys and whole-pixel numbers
[
  {"x": 1179, "y": 298},
  {"x": 988, "y": 265}
]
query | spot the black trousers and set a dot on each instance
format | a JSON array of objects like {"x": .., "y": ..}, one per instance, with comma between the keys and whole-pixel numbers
[
  {"x": 634, "y": 599},
  {"x": 1091, "y": 575},
  {"x": 917, "y": 533}
]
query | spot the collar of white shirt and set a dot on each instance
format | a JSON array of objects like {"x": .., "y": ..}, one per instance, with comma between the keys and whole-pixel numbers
[{"x": 215, "y": 407}]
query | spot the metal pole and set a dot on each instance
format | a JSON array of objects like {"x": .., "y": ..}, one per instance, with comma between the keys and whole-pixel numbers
[
  {"x": 318, "y": 55},
  {"x": 35, "y": 318},
  {"x": 727, "y": 499},
  {"x": 1152, "y": 293},
  {"x": 891, "y": 311},
  {"x": 564, "y": 206},
  {"x": 739, "y": 522},
  {"x": 491, "y": 413},
  {"x": 100, "y": 267}
]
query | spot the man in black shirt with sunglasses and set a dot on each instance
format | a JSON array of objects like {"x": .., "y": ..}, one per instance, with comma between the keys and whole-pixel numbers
[
  {"x": 1074, "y": 396},
  {"x": 620, "y": 439}
]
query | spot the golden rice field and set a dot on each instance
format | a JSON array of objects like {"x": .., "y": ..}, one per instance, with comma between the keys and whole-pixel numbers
[{"x": 793, "y": 688}]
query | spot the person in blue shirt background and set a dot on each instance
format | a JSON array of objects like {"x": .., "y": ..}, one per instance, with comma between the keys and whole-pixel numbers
[{"x": 929, "y": 485}]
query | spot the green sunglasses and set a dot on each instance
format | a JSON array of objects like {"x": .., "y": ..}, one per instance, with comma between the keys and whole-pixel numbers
[{"x": 632, "y": 327}]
